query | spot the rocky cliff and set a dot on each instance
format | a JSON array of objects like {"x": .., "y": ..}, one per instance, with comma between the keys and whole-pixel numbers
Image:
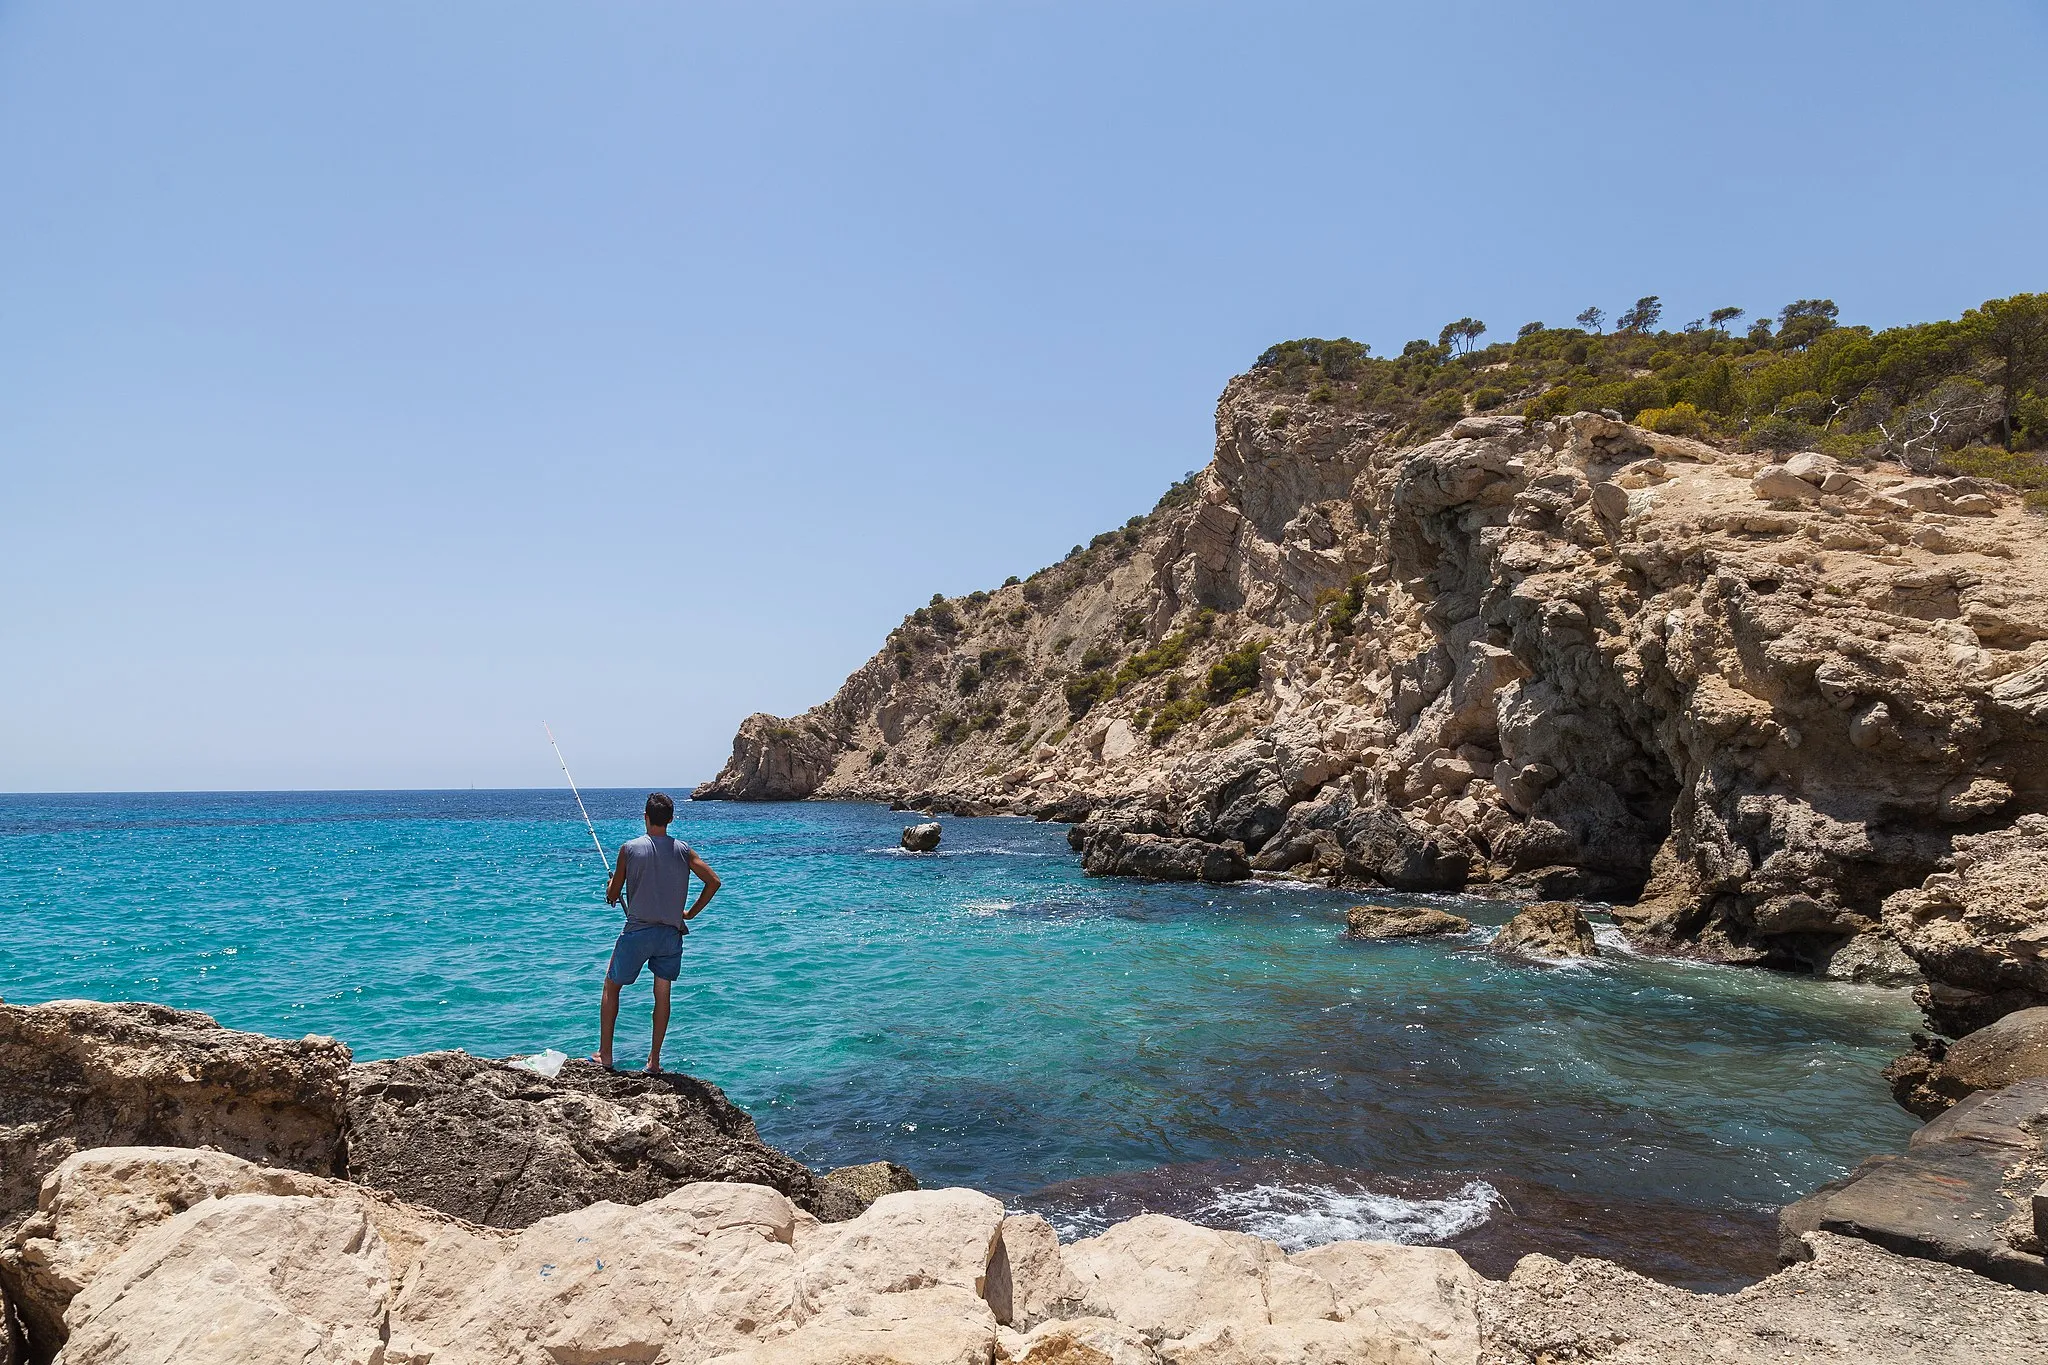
[{"x": 1754, "y": 701}]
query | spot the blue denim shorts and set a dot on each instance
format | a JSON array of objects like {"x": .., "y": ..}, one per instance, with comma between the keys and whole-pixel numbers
[{"x": 646, "y": 945}]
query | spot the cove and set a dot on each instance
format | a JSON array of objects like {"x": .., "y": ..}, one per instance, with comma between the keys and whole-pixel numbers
[{"x": 988, "y": 1016}]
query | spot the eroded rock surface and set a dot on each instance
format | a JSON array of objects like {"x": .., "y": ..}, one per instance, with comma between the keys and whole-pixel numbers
[
  {"x": 922, "y": 838},
  {"x": 77, "y": 1074},
  {"x": 501, "y": 1146},
  {"x": 1979, "y": 928},
  {"x": 1747, "y": 703}
]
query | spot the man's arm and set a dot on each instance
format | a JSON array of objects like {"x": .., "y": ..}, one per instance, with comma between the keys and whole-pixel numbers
[
  {"x": 710, "y": 880},
  {"x": 618, "y": 882}
]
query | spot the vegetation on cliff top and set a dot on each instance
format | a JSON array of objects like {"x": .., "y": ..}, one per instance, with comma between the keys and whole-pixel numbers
[{"x": 1968, "y": 394}]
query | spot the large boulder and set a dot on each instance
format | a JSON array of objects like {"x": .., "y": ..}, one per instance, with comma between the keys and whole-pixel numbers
[
  {"x": 77, "y": 1074},
  {"x": 1401, "y": 921},
  {"x": 1168, "y": 1278},
  {"x": 99, "y": 1201},
  {"x": 1548, "y": 931},
  {"x": 1935, "y": 1075},
  {"x": 922, "y": 838},
  {"x": 504, "y": 1147},
  {"x": 1980, "y": 930},
  {"x": 915, "y": 1240},
  {"x": 1961, "y": 1193},
  {"x": 249, "y": 1278},
  {"x": 1427, "y": 1294},
  {"x": 1028, "y": 1280}
]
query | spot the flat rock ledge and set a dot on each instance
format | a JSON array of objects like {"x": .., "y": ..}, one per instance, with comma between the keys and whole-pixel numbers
[
  {"x": 203, "y": 1258},
  {"x": 1964, "y": 1191}
]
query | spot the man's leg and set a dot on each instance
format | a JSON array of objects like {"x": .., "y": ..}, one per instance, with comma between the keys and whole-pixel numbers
[
  {"x": 608, "y": 1017},
  {"x": 660, "y": 1023}
]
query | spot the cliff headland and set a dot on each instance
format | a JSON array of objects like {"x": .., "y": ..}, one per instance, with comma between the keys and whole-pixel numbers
[{"x": 1736, "y": 633}]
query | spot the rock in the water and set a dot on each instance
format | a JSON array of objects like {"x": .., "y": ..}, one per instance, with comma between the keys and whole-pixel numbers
[
  {"x": 1980, "y": 931},
  {"x": 503, "y": 1147},
  {"x": 1548, "y": 931},
  {"x": 921, "y": 838},
  {"x": 1960, "y": 1194},
  {"x": 848, "y": 1191},
  {"x": 1161, "y": 857},
  {"x": 2004, "y": 1052},
  {"x": 1401, "y": 921},
  {"x": 76, "y": 1074}
]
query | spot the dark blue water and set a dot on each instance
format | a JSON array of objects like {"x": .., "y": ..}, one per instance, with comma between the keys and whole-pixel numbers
[{"x": 989, "y": 1016}]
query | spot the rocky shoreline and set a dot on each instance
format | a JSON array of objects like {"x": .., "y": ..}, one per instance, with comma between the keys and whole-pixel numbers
[{"x": 181, "y": 1192}]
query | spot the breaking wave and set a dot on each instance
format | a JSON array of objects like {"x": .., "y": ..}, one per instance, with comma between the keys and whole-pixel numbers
[{"x": 1301, "y": 1216}]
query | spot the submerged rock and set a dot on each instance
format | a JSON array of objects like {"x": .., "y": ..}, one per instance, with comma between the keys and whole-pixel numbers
[
  {"x": 1548, "y": 931},
  {"x": 77, "y": 1074},
  {"x": 922, "y": 838},
  {"x": 500, "y": 1146},
  {"x": 1401, "y": 921}
]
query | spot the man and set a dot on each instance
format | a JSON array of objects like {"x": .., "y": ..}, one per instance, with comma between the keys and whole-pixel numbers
[{"x": 654, "y": 874}]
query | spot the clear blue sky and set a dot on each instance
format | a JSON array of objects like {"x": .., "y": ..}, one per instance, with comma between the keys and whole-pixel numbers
[{"x": 378, "y": 380}]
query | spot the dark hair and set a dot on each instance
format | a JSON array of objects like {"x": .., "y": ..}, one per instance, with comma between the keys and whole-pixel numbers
[{"x": 660, "y": 809}]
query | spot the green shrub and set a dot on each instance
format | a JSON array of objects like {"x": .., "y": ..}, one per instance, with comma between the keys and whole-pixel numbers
[
  {"x": 1344, "y": 604},
  {"x": 1016, "y": 733},
  {"x": 1168, "y": 719},
  {"x": 1000, "y": 661},
  {"x": 1780, "y": 433},
  {"x": 1017, "y": 616},
  {"x": 1132, "y": 626},
  {"x": 2024, "y": 470},
  {"x": 875, "y": 759},
  {"x": 1235, "y": 674},
  {"x": 1322, "y": 393},
  {"x": 1012, "y": 581},
  {"x": 1060, "y": 645},
  {"x": 1442, "y": 410},
  {"x": 1034, "y": 592},
  {"x": 1085, "y": 689},
  {"x": 968, "y": 681},
  {"x": 1097, "y": 656},
  {"x": 1276, "y": 419},
  {"x": 1489, "y": 397},
  {"x": 1680, "y": 419},
  {"x": 949, "y": 728}
]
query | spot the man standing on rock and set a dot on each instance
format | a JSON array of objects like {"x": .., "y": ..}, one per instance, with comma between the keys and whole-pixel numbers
[{"x": 654, "y": 875}]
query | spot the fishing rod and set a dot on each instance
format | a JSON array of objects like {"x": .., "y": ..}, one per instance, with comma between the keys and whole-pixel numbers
[{"x": 595, "y": 842}]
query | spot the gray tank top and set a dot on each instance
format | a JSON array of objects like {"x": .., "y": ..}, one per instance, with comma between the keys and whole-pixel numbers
[{"x": 657, "y": 880}]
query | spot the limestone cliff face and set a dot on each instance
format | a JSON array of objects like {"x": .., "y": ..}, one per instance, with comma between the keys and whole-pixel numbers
[{"x": 1750, "y": 701}]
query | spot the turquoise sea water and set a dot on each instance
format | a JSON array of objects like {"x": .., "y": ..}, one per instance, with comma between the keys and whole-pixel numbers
[{"x": 989, "y": 1016}]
